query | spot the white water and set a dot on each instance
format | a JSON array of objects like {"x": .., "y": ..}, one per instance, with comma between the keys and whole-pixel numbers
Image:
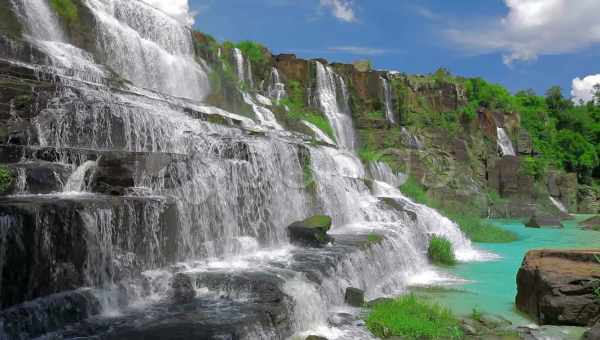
[
  {"x": 382, "y": 172},
  {"x": 276, "y": 89},
  {"x": 263, "y": 115},
  {"x": 243, "y": 67},
  {"x": 504, "y": 143},
  {"x": 78, "y": 179},
  {"x": 322, "y": 136},
  {"x": 330, "y": 87},
  {"x": 149, "y": 48},
  {"x": 390, "y": 114},
  {"x": 559, "y": 205}
]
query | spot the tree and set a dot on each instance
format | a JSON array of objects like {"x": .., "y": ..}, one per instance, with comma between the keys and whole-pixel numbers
[{"x": 555, "y": 100}]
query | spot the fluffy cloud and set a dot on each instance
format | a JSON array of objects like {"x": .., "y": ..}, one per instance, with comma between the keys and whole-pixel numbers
[
  {"x": 583, "y": 89},
  {"x": 341, "y": 9},
  {"x": 178, "y": 9},
  {"x": 534, "y": 27}
]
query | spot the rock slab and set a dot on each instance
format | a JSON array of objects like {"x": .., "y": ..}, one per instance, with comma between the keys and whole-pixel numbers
[{"x": 557, "y": 287}]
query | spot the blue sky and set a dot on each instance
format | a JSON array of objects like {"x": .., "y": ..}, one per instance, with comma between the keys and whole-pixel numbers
[{"x": 519, "y": 43}]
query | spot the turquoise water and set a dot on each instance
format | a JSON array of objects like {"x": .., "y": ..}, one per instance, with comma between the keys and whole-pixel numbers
[{"x": 492, "y": 285}]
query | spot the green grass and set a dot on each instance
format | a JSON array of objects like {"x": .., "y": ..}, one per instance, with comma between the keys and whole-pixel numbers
[
  {"x": 472, "y": 225},
  {"x": 253, "y": 50},
  {"x": 412, "y": 318},
  {"x": 66, "y": 9},
  {"x": 6, "y": 179},
  {"x": 441, "y": 252}
]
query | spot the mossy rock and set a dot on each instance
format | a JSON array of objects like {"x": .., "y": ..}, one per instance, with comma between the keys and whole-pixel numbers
[
  {"x": 311, "y": 232},
  {"x": 6, "y": 179},
  {"x": 217, "y": 119},
  {"x": 9, "y": 24}
]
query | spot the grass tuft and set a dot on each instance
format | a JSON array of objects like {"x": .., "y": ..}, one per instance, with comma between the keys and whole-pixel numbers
[
  {"x": 412, "y": 318},
  {"x": 441, "y": 252}
]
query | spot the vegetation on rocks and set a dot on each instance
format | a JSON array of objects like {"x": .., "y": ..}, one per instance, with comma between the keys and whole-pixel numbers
[
  {"x": 468, "y": 221},
  {"x": 66, "y": 9},
  {"x": 441, "y": 252},
  {"x": 411, "y": 318},
  {"x": 253, "y": 50},
  {"x": 6, "y": 179}
]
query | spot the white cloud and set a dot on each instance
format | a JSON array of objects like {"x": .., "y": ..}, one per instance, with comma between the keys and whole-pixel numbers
[
  {"x": 583, "y": 89},
  {"x": 533, "y": 28},
  {"x": 178, "y": 9},
  {"x": 341, "y": 9},
  {"x": 358, "y": 50}
]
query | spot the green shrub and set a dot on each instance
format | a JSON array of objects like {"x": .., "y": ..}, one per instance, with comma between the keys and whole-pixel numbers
[
  {"x": 6, "y": 179},
  {"x": 413, "y": 189},
  {"x": 66, "y": 9},
  {"x": 441, "y": 252},
  {"x": 411, "y": 318},
  {"x": 253, "y": 50}
]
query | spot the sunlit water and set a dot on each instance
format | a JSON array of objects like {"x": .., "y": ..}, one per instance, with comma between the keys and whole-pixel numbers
[{"x": 491, "y": 286}]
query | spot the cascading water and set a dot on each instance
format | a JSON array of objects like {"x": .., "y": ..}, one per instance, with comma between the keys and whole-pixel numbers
[
  {"x": 149, "y": 48},
  {"x": 243, "y": 67},
  {"x": 319, "y": 133},
  {"x": 330, "y": 87},
  {"x": 387, "y": 100},
  {"x": 504, "y": 143},
  {"x": 559, "y": 205},
  {"x": 211, "y": 201},
  {"x": 276, "y": 89},
  {"x": 382, "y": 172}
]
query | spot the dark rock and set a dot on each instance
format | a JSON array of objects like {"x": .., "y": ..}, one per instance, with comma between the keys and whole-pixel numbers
[
  {"x": 593, "y": 333},
  {"x": 311, "y": 232},
  {"x": 315, "y": 337},
  {"x": 588, "y": 200},
  {"x": 524, "y": 143},
  {"x": 354, "y": 297},
  {"x": 544, "y": 221},
  {"x": 182, "y": 289},
  {"x": 378, "y": 301},
  {"x": 556, "y": 287}
]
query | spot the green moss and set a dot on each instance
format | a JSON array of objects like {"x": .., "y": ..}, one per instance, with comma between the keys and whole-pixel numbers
[
  {"x": 411, "y": 318},
  {"x": 441, "y": 252},
  {"x": 319, "y": 222},
  {"x": 6, "y": 179},
  {"x": 66, "y": 9},
  {"x": 374, "y": 238}
]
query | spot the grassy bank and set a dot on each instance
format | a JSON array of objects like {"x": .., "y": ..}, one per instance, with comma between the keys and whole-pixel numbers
[
  {"x": 412, "y": 318},
  {"x": 473, "y": 226}
]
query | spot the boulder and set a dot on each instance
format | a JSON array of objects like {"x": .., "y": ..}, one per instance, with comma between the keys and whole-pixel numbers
[
  {"x": 556, "y": 287},
  {"x": 544, "y": 221},
  {"x": 315, "y": 337},
  {"x": 182, "y": 289},
  {"x": 592, "y": 223},
  {"x": 311, "y": 232},
  {"x": 593, "y": 333},
  {"x": 354, "y": 297}
]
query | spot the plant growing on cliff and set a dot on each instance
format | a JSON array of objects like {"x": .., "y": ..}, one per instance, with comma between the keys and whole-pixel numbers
[
  {"x": 253, "y": 50},
  {"x": 66, "y": 9},
  {"x": 6, "y": 179},
  {"x": 297, "y": 110},
  {"x": 411, "y": 318},
  {"x": 441, "y": 251}
]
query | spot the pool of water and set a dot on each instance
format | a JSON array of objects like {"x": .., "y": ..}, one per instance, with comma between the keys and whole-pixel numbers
[{"x": 491, "y": 286}]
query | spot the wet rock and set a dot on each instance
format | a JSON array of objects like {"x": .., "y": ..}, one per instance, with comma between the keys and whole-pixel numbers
[
  {"x": 544, "y": 221},
  {"x": 311, "y": 232},
  {"x": 182, "y": 289},
  {"x": 556, "y": 287},
  {"x": 593, "y": 333},
  {"x": 354, "y": 297},
  {"x": 315, "y": 337}
]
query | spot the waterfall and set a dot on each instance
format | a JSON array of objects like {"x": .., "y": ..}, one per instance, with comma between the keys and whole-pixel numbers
[
  {"x": 382, "y": 172},
  {"x": 322, "y": 136},
  {"x": 243, "y": 67},
  {"x": 276, "y": 89},
  {"x": 559, "y": 205},
  {"x": 265, "y": 116},
  {"x": 330, "y": 87},
  {"x": 387, "y": 100},
  {"x": 149, "y": 48},
  {"x": 504, "y": 143},
  {"x": 41, "y": 21},
  {"x": 80, "y": 178}
]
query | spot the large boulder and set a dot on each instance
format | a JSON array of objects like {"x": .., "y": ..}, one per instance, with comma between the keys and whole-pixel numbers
[
  {"x": 544, "y": 221},
  {"x": 311, "y": 232},
  {"x": 182, "y": 289},
  {"x": 557, "y": 287}
]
